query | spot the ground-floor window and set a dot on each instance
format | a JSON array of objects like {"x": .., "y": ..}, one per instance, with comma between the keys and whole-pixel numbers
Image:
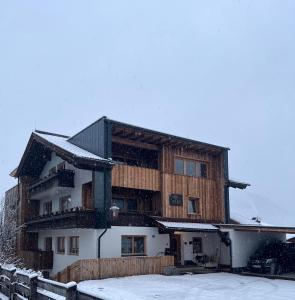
[
  {"x": 197, "y": 245},
  {"x": 133, "y": 245},
  {"x": 74, "y": 245},
  {"x": 60, "y": 245},
  {"x": 48, "y": 244}
]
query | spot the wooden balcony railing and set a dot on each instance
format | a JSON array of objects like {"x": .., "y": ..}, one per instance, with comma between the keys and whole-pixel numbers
[
  {"x": 61, "y": 178},
  {"x": 37, "y": 260},
  {"x": 74, "y": 218},
  {"x": 136, "y": 177}
]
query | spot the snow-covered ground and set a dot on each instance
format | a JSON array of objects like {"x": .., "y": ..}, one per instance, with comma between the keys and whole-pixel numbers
[{"x": 190, "y": 287}]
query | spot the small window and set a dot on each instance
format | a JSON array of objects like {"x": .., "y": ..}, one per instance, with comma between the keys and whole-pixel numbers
[
  {"x": 133, "y": 245},
  {"x": 193, "y": 204},
  {"x": 48, "y": 244},
  {"x": 60, "y": 245},
  {"x": 191, "y": 168},
  {"x": 131, "y": 205},
  {"x": 52, "y": 170},
  {"x": 74, "y": 245},
  {"x": 203, "y": 170},
  {"x": 179, "y": 166},
  {"x": 61, "y": 166},
  {"x": 64, "y": 203},
  {"x": 175, "y": 200},
  {"x": 197, "y": 245},
  {"x": 47, "y": 208}
]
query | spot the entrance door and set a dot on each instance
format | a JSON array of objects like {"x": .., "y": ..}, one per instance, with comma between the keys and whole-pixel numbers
[{"x": 175, "y": 248}]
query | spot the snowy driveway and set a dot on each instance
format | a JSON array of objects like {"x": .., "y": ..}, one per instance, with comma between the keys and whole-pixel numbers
[{"x": 220, "y": 286}]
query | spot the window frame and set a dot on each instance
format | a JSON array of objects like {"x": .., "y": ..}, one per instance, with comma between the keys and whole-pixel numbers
[
  {"x": 173, "y": 202},
  {"x": 77, "y": 249},
  {"x": 197, "y": 205},
  {"x": 133, "y": 245},
  {"x": 47, "y": 238},
  {"x": 203, "y": 167},
  {"x": 45, "y": 204},
  {"x": 61, "y": 199},
  {"x": 200, "y": 240},
  {"x": 58, "y": 251}
]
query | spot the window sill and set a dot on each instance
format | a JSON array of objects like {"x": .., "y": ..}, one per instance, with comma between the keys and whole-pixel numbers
[
  {"x": 128, "y": 255},
  {"x": 60, "y": 253},
  {"x": 76, "y": 254}
]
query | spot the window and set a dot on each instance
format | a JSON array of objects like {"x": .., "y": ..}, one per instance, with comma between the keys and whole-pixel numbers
[
  {"x": 133, "y": 245},
  {"x": 47, "y": 208},
  {"x": 52, "y": 170},
  {"x": 131, "y": 205},
  {"x": 175, "y": 200},
  {"x": 74, "y": 245},
  {"x": 61, "y": 166},
  {"x": 64, "y": 203},
  {"x": 190, "y": 168},
  {"x": 60, "y": 245},
  {"x": 48, "y": 244},
  {"x": 193, "y": 205},
  {"x": 197, "y": 245},
  {"x": 179, "y": 166}
]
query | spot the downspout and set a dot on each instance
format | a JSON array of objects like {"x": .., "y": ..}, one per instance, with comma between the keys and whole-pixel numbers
[{"x": 99, "y": 238}]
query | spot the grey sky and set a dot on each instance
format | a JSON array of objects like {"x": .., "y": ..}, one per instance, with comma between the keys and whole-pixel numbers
[{"x": 217, "y": 71}]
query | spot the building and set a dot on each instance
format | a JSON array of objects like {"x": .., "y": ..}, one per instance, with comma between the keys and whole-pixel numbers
[{"x": 115, "y": 189}]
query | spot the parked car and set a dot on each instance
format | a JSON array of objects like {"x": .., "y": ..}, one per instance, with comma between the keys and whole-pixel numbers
[{"x": 273, "y": 258}]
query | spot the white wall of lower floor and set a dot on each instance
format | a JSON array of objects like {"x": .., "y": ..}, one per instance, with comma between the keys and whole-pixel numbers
[
  {"x": 244, "y": 244},
  {"x": 110, "y": 243}
]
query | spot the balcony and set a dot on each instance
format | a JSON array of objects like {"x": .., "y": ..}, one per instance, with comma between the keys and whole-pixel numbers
[
  {"x": 61, "y": 178},
  {"x": 132, "y": 219},
  {"x": 37, "y": 260},
  {"x": 136, "y": 177},
  {"x": 74, "y": 218}
]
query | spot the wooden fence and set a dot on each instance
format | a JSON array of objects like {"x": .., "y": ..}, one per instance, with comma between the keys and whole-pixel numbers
[
  {"x": 19, "y": 285},
  {"x": 88, "y": 269}
]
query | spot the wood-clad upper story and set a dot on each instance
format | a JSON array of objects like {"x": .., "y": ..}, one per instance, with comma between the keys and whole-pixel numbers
[
  {"x": 189, "y": 176},
  {"x": 141, "y": 170}
]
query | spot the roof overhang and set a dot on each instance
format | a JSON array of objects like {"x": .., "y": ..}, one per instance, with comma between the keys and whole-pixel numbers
[
  {"x": 256, "y": 228},
  {"x": 237, "y": 184},
  {"x": 186, "y": 227},
  {"x": 38, "y": 144}
]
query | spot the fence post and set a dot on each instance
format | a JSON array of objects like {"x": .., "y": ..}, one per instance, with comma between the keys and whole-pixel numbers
[
  {"x": 33, "y": 287},
  {"x": 71, "y": 293}
]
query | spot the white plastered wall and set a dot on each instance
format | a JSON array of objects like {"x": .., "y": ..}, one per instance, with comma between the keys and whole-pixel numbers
[
  {"x": 244, "y": 244},
  {"x": 210, "y": 243},
  {"x": 110, "y": 243},
  {"x": 53, "y": 194}
]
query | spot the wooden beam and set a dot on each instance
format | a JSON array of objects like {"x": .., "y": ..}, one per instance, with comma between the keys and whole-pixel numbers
[{"x": 138, "y": 144}]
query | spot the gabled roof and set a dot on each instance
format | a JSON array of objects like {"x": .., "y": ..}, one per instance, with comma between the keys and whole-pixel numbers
[{"x": 40, "y": 146}]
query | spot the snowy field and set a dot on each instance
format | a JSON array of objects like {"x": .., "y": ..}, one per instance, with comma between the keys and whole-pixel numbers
[{"x": 218, "y": 286}]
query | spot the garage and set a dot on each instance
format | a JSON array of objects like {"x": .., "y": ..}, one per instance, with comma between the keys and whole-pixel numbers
[{"x": 246, "y": 239}]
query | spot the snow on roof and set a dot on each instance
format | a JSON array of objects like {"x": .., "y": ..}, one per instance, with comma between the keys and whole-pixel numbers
[
  {"x": 241, "y": 219},
  {"x": 63, "y": 143},
  {"x": 191, "y": 226}
]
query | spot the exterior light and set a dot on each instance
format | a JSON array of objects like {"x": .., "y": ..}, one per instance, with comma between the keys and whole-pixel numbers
[{"x": 115, "y": 210}]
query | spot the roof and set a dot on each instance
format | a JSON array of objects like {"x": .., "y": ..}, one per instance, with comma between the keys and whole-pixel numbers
[
  {"x": 44, "y": 142},
  {"x": 237, "y": 184},
  {"x": 179, "y": 226},
  {"x": 257, "y": 228},
  {"x": 63, "y": 143}
]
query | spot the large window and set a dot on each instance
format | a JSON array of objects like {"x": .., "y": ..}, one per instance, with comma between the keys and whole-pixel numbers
[
  {"x": 64, "y": 203},
  {"x": 47, "y": 208},
  {"x": 133, "y": 245},
  {"x": 74, "y": 245},
  {"x": 60, "y": 245},
  {"x": 193, "y": 206},
  {"x": 125, "y": 204},
  {"x": 190, "y": 168}
]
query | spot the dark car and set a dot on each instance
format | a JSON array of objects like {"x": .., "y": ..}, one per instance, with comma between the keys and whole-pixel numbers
[{"x": 273, "y": 258}]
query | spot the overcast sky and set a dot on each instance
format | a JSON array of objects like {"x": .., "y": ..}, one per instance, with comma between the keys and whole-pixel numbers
[{"x": 222, "y": 72}]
